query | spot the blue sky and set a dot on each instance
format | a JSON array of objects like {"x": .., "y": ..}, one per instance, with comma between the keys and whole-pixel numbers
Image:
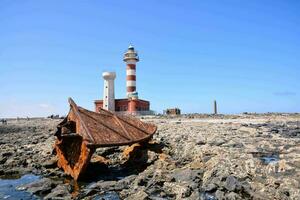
[{"x": 244, "y": 54}]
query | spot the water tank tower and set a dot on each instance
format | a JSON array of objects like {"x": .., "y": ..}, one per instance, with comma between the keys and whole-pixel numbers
[{"x": 109, "y": 91}]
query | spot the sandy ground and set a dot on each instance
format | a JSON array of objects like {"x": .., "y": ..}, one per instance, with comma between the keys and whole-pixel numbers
[{"x": 190, "y": 157}]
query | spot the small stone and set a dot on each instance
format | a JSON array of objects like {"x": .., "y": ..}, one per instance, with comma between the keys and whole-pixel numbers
[
  {"x": 220, "y": 195},
  {"x": 2, "y": 160},
  {"x": 210, "y": 187},
  {"x": 152, "y": 156},
  {"x": 60, "y": 191},
  {"x": 52, "y": 163},
  {"x": 140, "y": 195},
  {"x": 231, "y": 183},
  {"x": 200, "y": 140},
  {"x": 103, "y": 185},
  {"x": 233, "y": 196},
  {"x": 186, "y": 175},
  {"x": 217, "y": 142}
]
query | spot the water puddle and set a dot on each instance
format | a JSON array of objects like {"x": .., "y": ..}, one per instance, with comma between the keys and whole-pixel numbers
[
  {"x": 107, "y": 196},
  {"x": 208, "y": 196},
  {"x": 270, "y": 159},
  {"x": 267, "y": 158},
  {"x": 8, "y": 188}
]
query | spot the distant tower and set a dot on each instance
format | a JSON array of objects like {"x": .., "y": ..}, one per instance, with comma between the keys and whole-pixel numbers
[
  {"x": 215, "y": 107},
  {"x": 131, "y": 58},
  {"x": 109, "y": 91}
]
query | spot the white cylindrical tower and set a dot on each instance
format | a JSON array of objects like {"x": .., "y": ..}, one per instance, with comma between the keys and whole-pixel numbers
[
  {"x": 109, "y": 91},
  {"x": 131, "y": 58}
]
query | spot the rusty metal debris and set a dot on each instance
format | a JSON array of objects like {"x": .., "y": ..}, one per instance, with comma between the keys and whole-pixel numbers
[{"x": 82, "y": 131}]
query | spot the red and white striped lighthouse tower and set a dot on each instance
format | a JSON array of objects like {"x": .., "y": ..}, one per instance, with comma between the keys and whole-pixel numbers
[{"x": 131, "y": 58}]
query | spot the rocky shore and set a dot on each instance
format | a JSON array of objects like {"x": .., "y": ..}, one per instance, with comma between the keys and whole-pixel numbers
[{"x": 247, "y": 156}]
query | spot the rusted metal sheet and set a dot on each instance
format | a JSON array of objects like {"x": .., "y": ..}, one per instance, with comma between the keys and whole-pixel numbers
[{"x": 82, "y": 131}]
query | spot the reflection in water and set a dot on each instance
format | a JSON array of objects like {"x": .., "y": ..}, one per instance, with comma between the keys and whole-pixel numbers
[
  {"x": 74, "y": 185},
  {"x": 8, "y": 188},
  {"x": 107, "y": 196},
  {"x": 270, "y": 159},
  {"x": 267, "y": 157},
  {"x": 208, "y": 196}
]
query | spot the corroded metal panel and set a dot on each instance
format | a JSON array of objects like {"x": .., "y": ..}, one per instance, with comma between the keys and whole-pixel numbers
[{"x": 82, "y": 131}]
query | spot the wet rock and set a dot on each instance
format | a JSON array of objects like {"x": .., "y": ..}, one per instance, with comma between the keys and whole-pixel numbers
[
  {"x": 125, "y": 182},
  {"x": 103, "y": 185},
  {"x": 107, "y": 196},
  {"x": 40, "y": 187},
  {"x": 15, "y": 171},
  {"x": 59, "y": 192}
]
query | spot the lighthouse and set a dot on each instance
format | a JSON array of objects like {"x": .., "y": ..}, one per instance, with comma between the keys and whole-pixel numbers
[
  {"x": 132, "y": 104},
  {"x": 131, "y": 58}
]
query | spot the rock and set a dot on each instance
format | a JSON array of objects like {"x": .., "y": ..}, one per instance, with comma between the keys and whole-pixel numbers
[
  {"x": 200, "y": 140},
  {"x": 59, "y": 192},
  {"x": 210, "y": 157},
  {"x": 140, "y": 195},
  {"x": 293, "y": 133},
  {"x": 195, "y": 195},
  {"x": 7, "y": 154},
  {"x": 125, "y": 182},
  {"x": 217, "y": 142},
  {"x": 103, "y": 185},
  {"x": 40, "y": 187},
  {"x": 231, "y": 183},
  {"x": 220, "y": 195},
  {"x": 181, "y": 190},
  {"x": 233, "y": 196},
  {"x": 187, "y": 175},
  {"x": 210, "y": 187},
  {"x": 152, "y": 156},
  {"x": 52, "y": 163},
  {"x": 2, "y": 160},
  {"x": 107, "y": 196}
]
